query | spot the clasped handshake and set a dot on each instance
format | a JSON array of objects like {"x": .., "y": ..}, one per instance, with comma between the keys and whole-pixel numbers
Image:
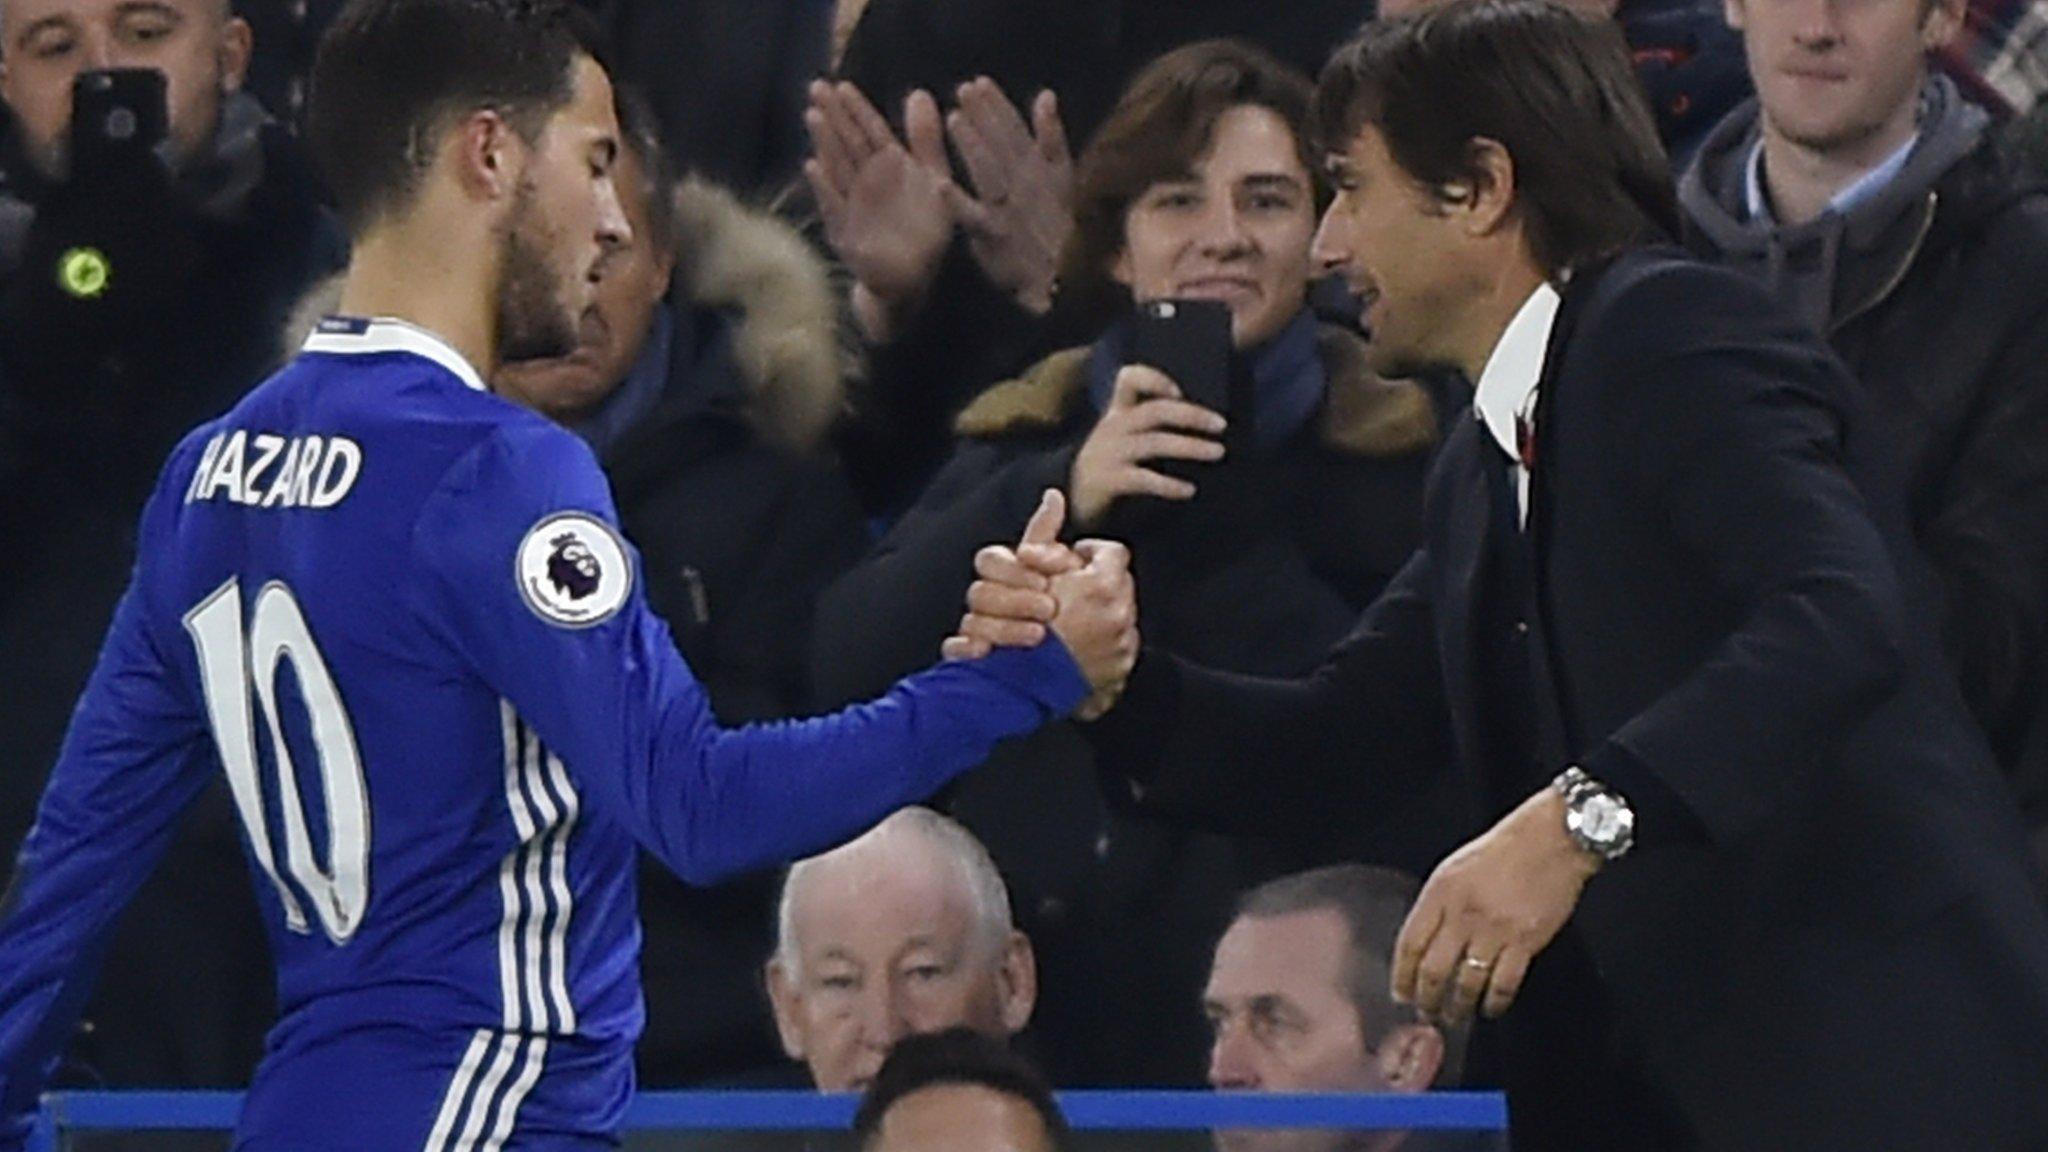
[{"x": 1083, "y": 592}]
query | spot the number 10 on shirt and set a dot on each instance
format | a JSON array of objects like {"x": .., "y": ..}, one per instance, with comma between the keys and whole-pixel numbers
[{"x": 233, "y": 660}]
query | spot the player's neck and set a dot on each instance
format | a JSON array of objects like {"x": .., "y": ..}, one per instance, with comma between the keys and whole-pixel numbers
[{"x": 396, "y": 274}]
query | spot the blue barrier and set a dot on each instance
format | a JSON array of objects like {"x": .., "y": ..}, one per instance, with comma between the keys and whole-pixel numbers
[{"x": 67, "y": 1112}]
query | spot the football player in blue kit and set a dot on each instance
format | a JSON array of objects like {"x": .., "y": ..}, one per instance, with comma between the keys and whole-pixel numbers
[{"x": 395, "y": 612}]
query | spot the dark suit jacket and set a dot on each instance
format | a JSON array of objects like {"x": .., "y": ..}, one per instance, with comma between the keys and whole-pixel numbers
[{"x": 1836, "y": 943}]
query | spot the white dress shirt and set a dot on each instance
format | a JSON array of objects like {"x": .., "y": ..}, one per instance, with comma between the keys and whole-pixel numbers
[{"x": 1507, "y": 387}]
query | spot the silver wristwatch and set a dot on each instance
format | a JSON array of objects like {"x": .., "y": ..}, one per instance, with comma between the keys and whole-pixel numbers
[{"x": 1598, "y": 820}]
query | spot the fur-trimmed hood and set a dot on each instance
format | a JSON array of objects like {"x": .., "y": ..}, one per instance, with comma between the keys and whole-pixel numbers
[
  {"x": 789, "y": 342},
  {"x": 1362, "y": 415}
]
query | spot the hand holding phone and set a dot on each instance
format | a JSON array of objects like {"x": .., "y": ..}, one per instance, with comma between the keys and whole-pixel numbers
[
  {"x": 111, "y": 249},
  {"x": 1153, "y": 426}
]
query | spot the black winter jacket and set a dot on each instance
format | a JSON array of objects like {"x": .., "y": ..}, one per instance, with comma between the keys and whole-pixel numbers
[{"x": 1269, "y": 564}]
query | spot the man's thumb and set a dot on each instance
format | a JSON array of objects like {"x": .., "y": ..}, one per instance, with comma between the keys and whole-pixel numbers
[{"x": 1045, "y": 524}]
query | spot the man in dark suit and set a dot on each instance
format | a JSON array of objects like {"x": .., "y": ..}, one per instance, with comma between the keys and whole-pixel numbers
[{"x": 1750, "y": 881}]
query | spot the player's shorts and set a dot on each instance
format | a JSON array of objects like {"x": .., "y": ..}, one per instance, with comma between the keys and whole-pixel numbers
[{"x": 388, "y": 1089}]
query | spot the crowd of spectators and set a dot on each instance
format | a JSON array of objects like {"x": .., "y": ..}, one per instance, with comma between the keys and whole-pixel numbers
[{"x": 881, "y": 292}]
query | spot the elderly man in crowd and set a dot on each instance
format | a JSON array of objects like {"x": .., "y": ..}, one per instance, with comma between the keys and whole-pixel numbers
[{"x": 903, "y": 931}]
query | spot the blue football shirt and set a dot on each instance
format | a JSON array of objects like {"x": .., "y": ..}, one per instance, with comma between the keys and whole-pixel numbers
[{"x": 395, "y": 613}]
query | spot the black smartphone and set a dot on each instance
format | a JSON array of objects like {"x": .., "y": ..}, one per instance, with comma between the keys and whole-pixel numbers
[
  {"x": 1188, "y": 340},
  {"x": 118, "y": 117}
]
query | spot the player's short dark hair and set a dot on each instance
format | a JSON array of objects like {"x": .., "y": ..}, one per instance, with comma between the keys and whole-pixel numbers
[
  {"x": 955, "y": 1056},
  {"x": 1373, "y": 903},
  {"x": 1555, "y": 88},
  {"x": 390, "y": 75}
]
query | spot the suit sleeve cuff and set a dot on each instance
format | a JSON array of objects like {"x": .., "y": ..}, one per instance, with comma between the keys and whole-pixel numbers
[
  {"x": 1661, "y": 816},
  {"x": 1128, "y": 739}
]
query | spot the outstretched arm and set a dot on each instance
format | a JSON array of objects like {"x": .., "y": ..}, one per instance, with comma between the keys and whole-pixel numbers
[
  {"x": 599, "y": 680},
  {"x": 1255, "y": 755}
]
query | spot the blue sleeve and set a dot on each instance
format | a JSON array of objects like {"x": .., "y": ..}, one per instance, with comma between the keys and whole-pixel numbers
[
  {"x": 528, "y": 580},
  {"x": 132, "y": 762}
]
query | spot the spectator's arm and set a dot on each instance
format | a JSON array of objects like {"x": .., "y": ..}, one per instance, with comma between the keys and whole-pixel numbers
[{"x": 968, "y": 336}]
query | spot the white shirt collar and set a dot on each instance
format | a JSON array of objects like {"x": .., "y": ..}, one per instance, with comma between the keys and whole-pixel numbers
[
  {"x": 1508, "y": 383},
  {"x": 353, "y": 336}
]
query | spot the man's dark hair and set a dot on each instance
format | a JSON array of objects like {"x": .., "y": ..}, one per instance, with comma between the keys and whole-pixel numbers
[
  {"x": 1556, "y": 89},
  {"x": 640, "y": 134},
  {"x": 1163, "y": 123},
  {"x": 955, "y": 1056},
  {"x": 1373, "y": 903},
  {"x": 391, "y": 75}
]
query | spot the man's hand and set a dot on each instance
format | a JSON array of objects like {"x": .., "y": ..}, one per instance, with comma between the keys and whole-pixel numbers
[
  {"x": 885, "y": 203},
  {"x": 1011, "y": 602},
  {"x": 1146, "y": 420},
  {"x": 1084, "y": 594},
  {"x": 1486, "y": 912},
  {"x": 1098, "y": 621},
  {"x": 1022, "y": 211}
]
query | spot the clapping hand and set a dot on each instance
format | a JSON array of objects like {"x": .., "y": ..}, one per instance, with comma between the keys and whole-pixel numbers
[
  {"x": 886, "y": 203},
  {"x": 1021, "y": 212},
  {"x": 1084, "y": 594}
]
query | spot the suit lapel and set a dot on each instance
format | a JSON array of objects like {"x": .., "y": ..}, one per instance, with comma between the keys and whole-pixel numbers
[
  {"x": 1557, "y": 733},
  {"x": 1462, "y": 546},
  {"x": 1571, "y": 303}
]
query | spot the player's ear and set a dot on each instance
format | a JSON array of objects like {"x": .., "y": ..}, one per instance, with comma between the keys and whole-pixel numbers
[
  {"x": 488, "y": 155},
  {"x": 787, "y": 1001}
]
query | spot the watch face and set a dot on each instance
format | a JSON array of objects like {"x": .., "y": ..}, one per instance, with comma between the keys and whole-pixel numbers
[
  {"x": 1602, "y": 818},
  {"x": 1602, "y": 823}
]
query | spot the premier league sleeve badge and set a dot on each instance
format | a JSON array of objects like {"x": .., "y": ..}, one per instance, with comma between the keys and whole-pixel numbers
[{"x": 573, "y": 570}]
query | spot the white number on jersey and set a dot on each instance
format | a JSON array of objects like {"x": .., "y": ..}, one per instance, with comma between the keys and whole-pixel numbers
[{"x": 230, "y": 663}]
